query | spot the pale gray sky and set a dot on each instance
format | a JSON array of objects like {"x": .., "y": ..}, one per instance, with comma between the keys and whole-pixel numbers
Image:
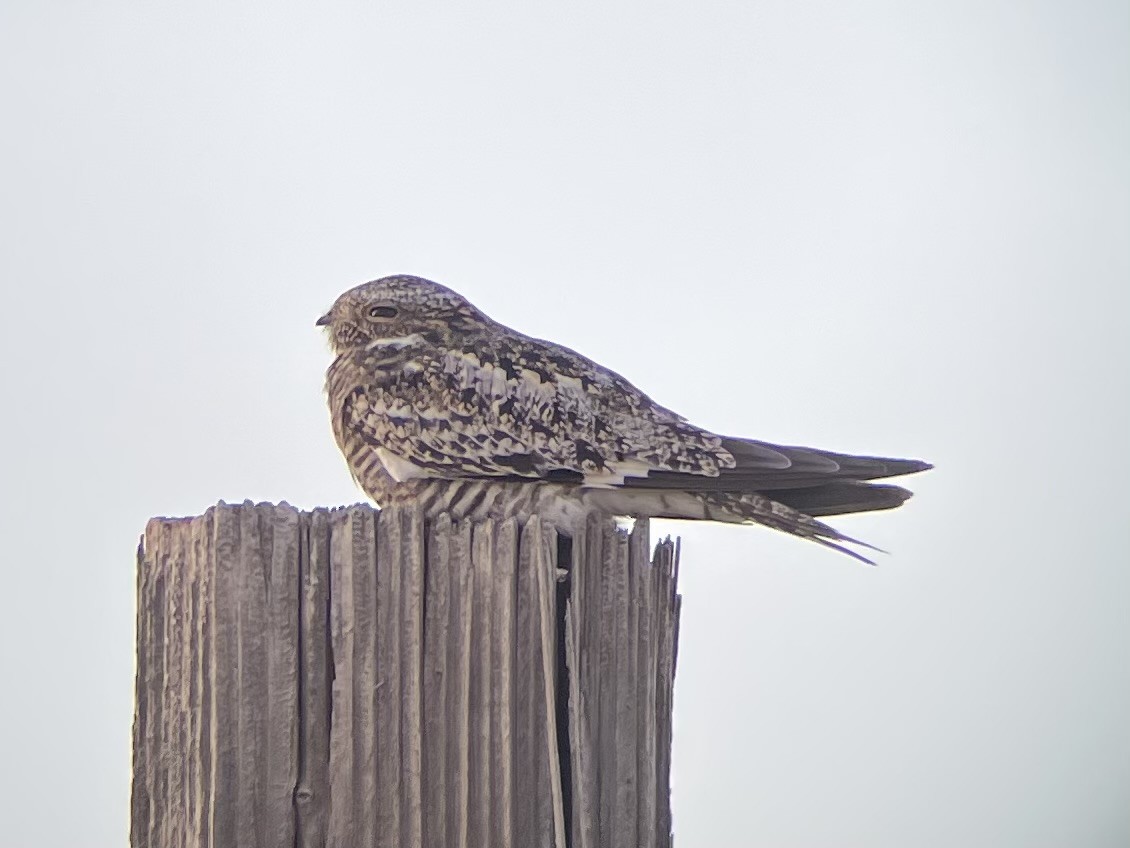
[{"x": 884, "y": 227}]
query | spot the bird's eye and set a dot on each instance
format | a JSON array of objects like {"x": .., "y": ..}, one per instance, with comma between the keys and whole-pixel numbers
[{"x": 382, "y": 311}]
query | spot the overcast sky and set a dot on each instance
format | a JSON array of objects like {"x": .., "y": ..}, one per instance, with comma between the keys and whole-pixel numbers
[{"x": 887, "y": 227}]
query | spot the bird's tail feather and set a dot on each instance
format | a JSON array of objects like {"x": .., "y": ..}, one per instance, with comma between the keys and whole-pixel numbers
[
  {"x": 842, "y": 497},
  {"x": 729, "y": 507}
]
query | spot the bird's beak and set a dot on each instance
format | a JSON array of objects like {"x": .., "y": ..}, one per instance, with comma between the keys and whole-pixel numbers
[{"x": 324, "y": 321}]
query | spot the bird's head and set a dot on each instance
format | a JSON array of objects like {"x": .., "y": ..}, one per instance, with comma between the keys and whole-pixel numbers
[{"x": 397, "y": 310}]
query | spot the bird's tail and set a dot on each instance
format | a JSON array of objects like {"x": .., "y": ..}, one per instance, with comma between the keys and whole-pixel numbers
[{"x": 729, "y": 507}]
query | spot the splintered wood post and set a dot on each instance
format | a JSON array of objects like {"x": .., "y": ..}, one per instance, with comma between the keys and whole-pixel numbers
[{"x": 354, "y": 677}]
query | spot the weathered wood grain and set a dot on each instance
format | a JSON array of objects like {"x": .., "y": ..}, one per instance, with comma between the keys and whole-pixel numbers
[
  {"x": 350, "y": 677},
  {"x": 311, "y": 793}
]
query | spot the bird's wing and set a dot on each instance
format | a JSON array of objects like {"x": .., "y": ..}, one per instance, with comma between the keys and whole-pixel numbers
[
  {"x": 512, "y": 406},
  {"x": 796, "y": 468}
]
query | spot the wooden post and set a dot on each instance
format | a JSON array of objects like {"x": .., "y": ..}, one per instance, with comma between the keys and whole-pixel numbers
[{"x": 353, "y": 678}]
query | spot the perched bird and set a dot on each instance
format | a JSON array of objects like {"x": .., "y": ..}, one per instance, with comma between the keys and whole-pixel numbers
[{"x": 434, "y": 403}]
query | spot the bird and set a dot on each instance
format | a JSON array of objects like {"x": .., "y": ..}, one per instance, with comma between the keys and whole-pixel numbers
[{"x": 434, "y": 404}]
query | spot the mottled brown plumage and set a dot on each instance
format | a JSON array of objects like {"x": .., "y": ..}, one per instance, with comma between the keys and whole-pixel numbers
[{"x": 434, "y": 402}]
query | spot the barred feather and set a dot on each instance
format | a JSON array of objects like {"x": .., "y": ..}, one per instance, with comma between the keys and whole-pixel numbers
[{"x": 432, "y": 401}]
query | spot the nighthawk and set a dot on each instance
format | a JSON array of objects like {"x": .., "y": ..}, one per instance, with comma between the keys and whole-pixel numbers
[{"x": 434, "y": 403}]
